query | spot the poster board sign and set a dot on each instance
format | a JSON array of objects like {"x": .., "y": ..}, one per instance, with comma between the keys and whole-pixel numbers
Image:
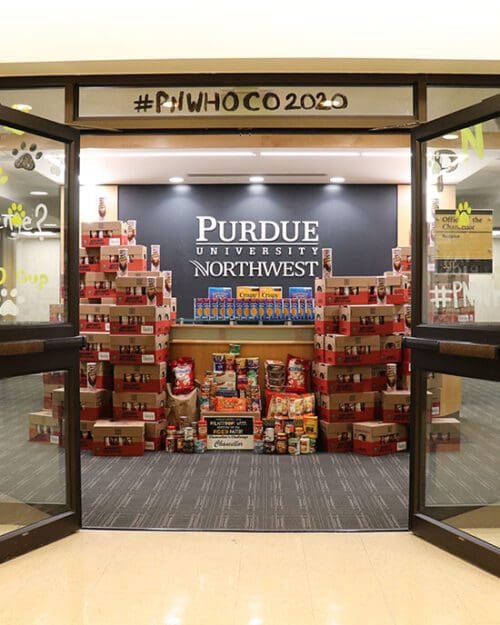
[
  {"x": 230, "y": 431},
  {"x": 464, "y": 240}
]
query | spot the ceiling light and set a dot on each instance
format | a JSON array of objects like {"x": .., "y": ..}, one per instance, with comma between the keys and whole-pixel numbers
[
  {"x": 24, "y": 108},
  {"x": 38, "y": 193},
  {"x": 387, "y": 153},
  {"x": 450, "y": 136},
  {"x": 256, "y": 179},
  {"x": 176, "y": 180},
  {"x": 337, "y": 179},
  {"x": 317, "y": 153}
]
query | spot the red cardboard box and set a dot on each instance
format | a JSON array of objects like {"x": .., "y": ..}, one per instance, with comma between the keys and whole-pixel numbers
[
  {"x": 338, "y": 290},
  {"x": 396, "y": 406},
  {"x": 391, "y": 348},
  {"x": 45, "y": 428},
  {"x": 57, "y": 313},
  {"x": 47, "y": 394},
  {"x": 86, "y": 434},
  {"x": 89, "y": 260},
  {"x": 334, "y": 379},
  {"x": 138, "y": 349},
  {"x": 95, "y": 404},
  {"x": 352, "y": 350},
  {"x": 103, "y": 373},
  {"x": 140, "y": 319},
  {"x": 348, "y": 406},
  {"x": 326, "y": 319},
  {"x": 366, "y": 320},
  {"x": 140, "y": 290},
  {"x": 379, "y": 377},
  {"x": 110, "y": 258},
  {"x": 54, "y": 377},
  {"x": 389, "y": 290},
  {"x": 94, "y": 318},
  {"x": 140, "y": 378},
  {"x": 99, "y": 233},
  {"x": 97, "y": 285},
  {"x": 319, "y": 347},
  {"x": 58, "y": 403},
  {"x": 140, "y": 406},
  {"x": 375, "y": 438},
  {"x": 118, "y": 438},
  {"x": 444, "y": 434},
  {"x": 335, "y": 437},
  {"x": 155, "y": 434},
  {"x": 97, "y": 347}
]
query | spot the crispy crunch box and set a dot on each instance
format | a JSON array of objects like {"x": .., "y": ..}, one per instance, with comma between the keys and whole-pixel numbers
[
  {"x": 334, "y": 379},
  {"x": 247, "y": 292},
  {"x": 391, "y": 348},
  {"x": 99, "y": 233},
  {"x": 140, "y": 378},
  {"x": 335, "y": 437},
  {"x": 110, "y": 258},
  {"x": 140, "y": 290},
  {"x": 118, "y": 438},
  {"x": 338, "y": 290},
  {"x": 45, "y": 428},
  {"x": 140, "y": 319},
  {"x": 396, "y": 406},
  {"x": 139, "y": 349},
  {"x": 96, "y": 348},
  {"x": 94, "y": 318},
  {"x": 95, "y": 404},
  {"x": 348, "y": 406},
  {"x": 99, "y": 285},
  {"x": 102, "y": 375},
  {"x": 270, "y": 292},
  {"x": 444, "y": 434},
  {"x": 90, "y": 260},
  {"x": 326, "y": 319},
  {"x": 352, "y": 350},
  {"x": 365, "y": 320},
  {"x": 155, "y": 433},
  {"x": 376, "y": 438},
  {"x": 141, "y": 406}
]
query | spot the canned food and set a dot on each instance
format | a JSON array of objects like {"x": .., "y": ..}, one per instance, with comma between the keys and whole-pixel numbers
[
  {"x": 188, "y": 433},
  {"x": 293, "y": 446},
  {"x": 268, "y": 447},
  {"x": 170, "y": 445},
  {"x": 258, "y": 446},
  {"x": 188, "y": 447},
  {"x": 282, "y": 443},
  {"x": 200, "y": 445},
  {"x": 305, "y": 445},
  {"x": 258, "y": 430},
  {"x": 269, "y": 435}
]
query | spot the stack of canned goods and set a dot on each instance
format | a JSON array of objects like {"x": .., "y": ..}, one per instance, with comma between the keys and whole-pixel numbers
[
  {"x": 187, "y": 437},
  {"x": 269, "y": 438}
]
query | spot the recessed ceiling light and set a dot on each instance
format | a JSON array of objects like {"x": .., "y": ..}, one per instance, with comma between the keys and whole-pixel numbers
[
  {"x": 317, "y": 153},
  {"x": 24, "y": 108},
  {"x": 450, "y": 136},
  {"x": 256, "y": 179},
  {"x": 176, "y": 179},
  {"x": 38, "y": 193},
  {"x": 337, "y": 179}
]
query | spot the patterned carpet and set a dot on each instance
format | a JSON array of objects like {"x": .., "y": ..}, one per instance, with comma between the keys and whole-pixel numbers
[{"x": 241, "y": 490}]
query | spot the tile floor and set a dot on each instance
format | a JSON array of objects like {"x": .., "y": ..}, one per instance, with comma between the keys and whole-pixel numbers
[{"x": 169, "y": 578}]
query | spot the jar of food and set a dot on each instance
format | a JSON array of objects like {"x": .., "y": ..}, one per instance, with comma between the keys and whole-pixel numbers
[
  {"x": 305, "y": 445},
  {"x": 293, "y": 446},
  {"x": 282, "y": 443},
  {"x": 258, "y": 446},
  {"x": 202, "y": 428}
]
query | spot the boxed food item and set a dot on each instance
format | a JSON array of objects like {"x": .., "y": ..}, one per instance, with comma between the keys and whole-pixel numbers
[
  {"x": 54, "y": 377},
  {"x": 47, "y": 394},
  {"x": 379, "y": 377},
  {"x": 94, "y": 318},
  {"x": 247, "y": 292},
  {"x": 396, "y": 406},
  {"x": 376, "y": 438},
  {"x": 99, "y": 233},
  {"x": 319, "y": 347},
  {"x": 338, "y": 290},
  {"x": 270, "y": 292},
  {"x": 201, "y": 309},
  {"x": 401, "y": 259},
  {"x": 95, "y": 404},
  {"x": 45, "y": 428},
  {"x": 300, "y": 292},
  {"x": 173, "y": 307},
  {"x": 57, "y": 313},
  {"x": 352, "y": 350},
  {"x": 310, "y": 425},
  {"x": 335, "y": 437},
  {"x": 86, "y": 434},
  {"x": 58, "y": 403},
  {"x": 334, "y": 379},
  {"x": 220, "y": 292},
  {"x": 365, "y": 320},
  {"x": 444, "y": 434},
  {"x": 389, "y": 290},
  {"x": 142, "y": 406},
  {"x": 118, "y": 438},
  {"x": 96, "y": 348},
  {"x": 391, "y": 348},
  {"x": 348, "y": 406},
  {"x": 99, "y": 285},
  {"x": 144, "y": 378},
  {"x": 98, "y": 375},
  {"x": 435, "y": 398},
  {"x": 237, "y": 404},
  {"x": 140, "y": 290},
  {"x": 434, "y": 380},
  {"x": 326, "y": 319},
  {"x": 155, "y": 433},
  {"x": 139, "y": 349},
  {"x": 140, "y": 319},
  {"x": 113, "y": 259},
  {"x": 89, "y": 260}
]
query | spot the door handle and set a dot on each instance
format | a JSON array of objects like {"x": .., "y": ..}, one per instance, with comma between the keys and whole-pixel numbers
[
  {"x": 22, "y": 348},
  {"x": 453, "y": 348}
]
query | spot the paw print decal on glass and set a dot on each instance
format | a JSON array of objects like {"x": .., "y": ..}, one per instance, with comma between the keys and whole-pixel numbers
[
  {"x": 8, "y": 306},
  {"x": 17, "y": 213},
  {"x": 463, "y": 213},
  {"x": 3, "y": 177},
  {"x": 26, "y": 158}
]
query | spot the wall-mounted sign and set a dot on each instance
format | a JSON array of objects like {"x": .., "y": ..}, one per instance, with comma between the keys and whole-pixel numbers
[
  {"x": 171, "y": 102},
  {"x": 229, "y": 431},
  {"x": 464, "y": 240}
]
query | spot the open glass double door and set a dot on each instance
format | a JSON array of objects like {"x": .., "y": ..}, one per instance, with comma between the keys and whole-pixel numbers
[{"x": 455, "y": 487}]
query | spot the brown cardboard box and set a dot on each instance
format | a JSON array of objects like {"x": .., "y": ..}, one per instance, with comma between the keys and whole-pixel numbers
[
  {"x": 110, "y": 255},
  {"x": 94, "y": 318},
  {"x": 99, "y": 233},
  {"x": 58, "y": 403},
  {"x": 326, "y": 319},
  {"x": 89, "y": 260},
  {"x": 348, "y": 406},
  {"x": 366, "y": 320},
  {"x": 118, "y": 438},
  {"x": 97, "y": 347},
  {"x": 352, "y": 350},
  {"x": 155, "y": 434},
  {"x": 57, "y": 313},
  {"x": 376, "y": 438},
  {"x": 140, "y": 378},
  {"x": 391, "y": 348},
  {"x": 396, "y": 406},
  {"x": 343, "y": 290},
  {"x": 335, "y": 437},
  {"x": 435, "y": 402},
  {"x": 334, "y": 379},
  {"x": 140, "y": 290},
  {"x": 86, "y": 434},
  {"x": 444, "y": 434},
  {"x": 103, "y": 373},
  {"x": 45, "y": 428},
  {"x": 139, "y": 349},
  {"x": 95, "y": 404},
  {"x": 141, "y": 406},
  {"x": 47, "y": 394},
  {"x": 319, "y": 347},
  {"x": 390, "y": 289},
  {"x": 434, "y": 380},
  {"x": 140, "y": 319},
  {"x": 98, "y": 284}
]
